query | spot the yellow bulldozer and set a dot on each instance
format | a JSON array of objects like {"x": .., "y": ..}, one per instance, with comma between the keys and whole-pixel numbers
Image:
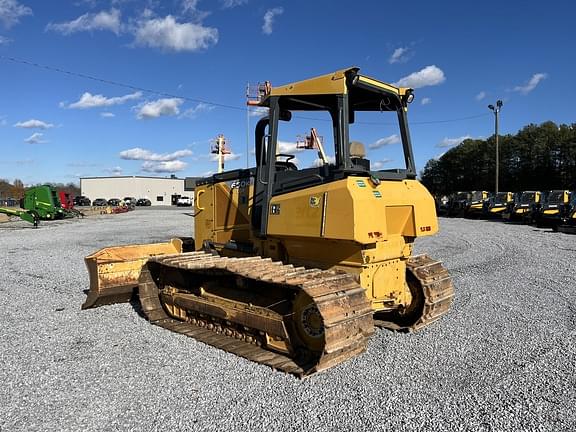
[{"x": 293, "y": 267}]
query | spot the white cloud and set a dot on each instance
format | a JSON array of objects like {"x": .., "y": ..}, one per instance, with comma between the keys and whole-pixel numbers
[
  {"x": 189, "y": 5},
  {"x": 138, "y": 153},
  {"x": 531, "y": 84},
  {"x": 190, "y": 8},
  {"x": 155, "y": 162},
  {"x": 400, "y": 55},
  {"x": 115, "y": 171},
  {"x": 192, "y": 113},
  {"x": 164, "y": 167},
  {"x": 166, "y": 33},
  {"x": 451, "y": 142},
  {"x": 480, "y": 96},
  {"x": 429, "y": 76},
  {"x": 104, "y": 20},
  {"x": 392, "y": 139},
  {"x": 380, "y": 164},
  {"x": 269, "y": 18},
  {"x": 288, "y": 147},
  {"x": 226, "y": 4},
  {"x": 425, "y": 101},
  {"x": 35, "y": 138},
  {"x": 88, "y": 100},
  {"x": 160, "y": 107},
  {"x": 4, "y": 40},
  {"x": 318, "y": 162},
  {"x": 107, "y": 115},
  {"x": 11, "y": 11},
  {"x": 34, "y": 124}
]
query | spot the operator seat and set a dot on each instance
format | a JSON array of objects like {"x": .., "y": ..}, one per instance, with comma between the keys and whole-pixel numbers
[
  {"x": 285, "y": 165},
  {"x": 357, "y": 155}
]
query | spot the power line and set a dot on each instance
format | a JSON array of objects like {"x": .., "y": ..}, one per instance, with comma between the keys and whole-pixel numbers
[
  {"x": 114, "y": 83},
  {"x": 450, "y": 120},
  {"x": 196, "y": 100},
  {"x": 410, "y": 122}
]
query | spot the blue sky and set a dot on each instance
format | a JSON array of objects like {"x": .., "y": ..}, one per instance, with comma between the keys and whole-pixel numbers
[{"x": 460, "y": 57}]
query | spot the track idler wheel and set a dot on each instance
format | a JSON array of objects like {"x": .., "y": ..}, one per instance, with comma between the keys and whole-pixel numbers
[
  {"x": 431, "y": 291},
  {"x": 308, "y": 336}
]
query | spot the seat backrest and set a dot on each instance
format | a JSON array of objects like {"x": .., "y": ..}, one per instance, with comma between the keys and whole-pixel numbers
[{"x": 357, "y": 149}]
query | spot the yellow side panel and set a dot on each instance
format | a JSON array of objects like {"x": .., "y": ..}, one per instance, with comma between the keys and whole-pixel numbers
[
  {"x": 222, "y": 213},
  {"x": 355, "y": 209},
  {"x": 231, "y": 208},
  {"x": 300, "y": 213}
]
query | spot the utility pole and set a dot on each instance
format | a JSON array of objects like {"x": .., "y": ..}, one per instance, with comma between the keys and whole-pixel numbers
[
  {"x": 220, "y": 148},
  {"x": 247, "y": 126},
  {"x": 496, "y": 110}
]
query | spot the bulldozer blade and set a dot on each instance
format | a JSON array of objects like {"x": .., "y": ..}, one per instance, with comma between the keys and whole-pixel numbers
[{"x": 114, "y": 271}]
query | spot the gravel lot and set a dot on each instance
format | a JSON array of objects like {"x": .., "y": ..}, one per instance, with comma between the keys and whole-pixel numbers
[{"x": 503, "y": 359}]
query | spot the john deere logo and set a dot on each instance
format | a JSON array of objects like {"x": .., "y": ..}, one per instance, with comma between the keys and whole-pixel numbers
[{"x": 314, "y": 201}]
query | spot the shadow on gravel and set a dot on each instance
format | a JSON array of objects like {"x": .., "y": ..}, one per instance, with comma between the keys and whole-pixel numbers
[{"x": 137, "y": 306}]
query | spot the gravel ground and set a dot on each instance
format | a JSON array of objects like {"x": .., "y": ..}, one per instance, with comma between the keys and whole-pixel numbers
[{"x": 503, "y": 359}]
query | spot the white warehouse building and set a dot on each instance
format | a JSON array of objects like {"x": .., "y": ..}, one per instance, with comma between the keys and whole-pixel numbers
[{"x": 159, "y": 190}]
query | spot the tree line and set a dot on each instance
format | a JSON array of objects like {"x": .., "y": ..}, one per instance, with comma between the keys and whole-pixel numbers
[
  {"x": 16, "y": 189},
  {"x": 539, "y": 157}
]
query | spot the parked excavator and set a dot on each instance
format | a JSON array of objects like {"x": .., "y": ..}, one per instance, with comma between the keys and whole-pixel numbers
[
  {"x": 524, "y": 207},
  {"x": 292, "y": 268}
]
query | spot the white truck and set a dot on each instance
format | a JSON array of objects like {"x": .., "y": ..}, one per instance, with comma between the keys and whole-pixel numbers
[{"x": 184, "y": 201}]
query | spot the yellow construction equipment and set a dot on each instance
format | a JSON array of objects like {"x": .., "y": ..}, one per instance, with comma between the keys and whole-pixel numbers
[
  {"x": 525, "y": 206},
  {"x": 477, "y": 203},
  {"x": 550, "y": 213},
  {"x": 499, "y": 203},
  {"x": 114, "y": 271},
  {"x": 292, "y": 267}
]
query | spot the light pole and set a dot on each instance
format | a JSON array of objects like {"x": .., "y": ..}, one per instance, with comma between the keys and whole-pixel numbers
[{"x": 496, "y": 111}]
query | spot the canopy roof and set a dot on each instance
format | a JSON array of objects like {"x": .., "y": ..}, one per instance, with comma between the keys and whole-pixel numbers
[{"x": 365, "y": 93}]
